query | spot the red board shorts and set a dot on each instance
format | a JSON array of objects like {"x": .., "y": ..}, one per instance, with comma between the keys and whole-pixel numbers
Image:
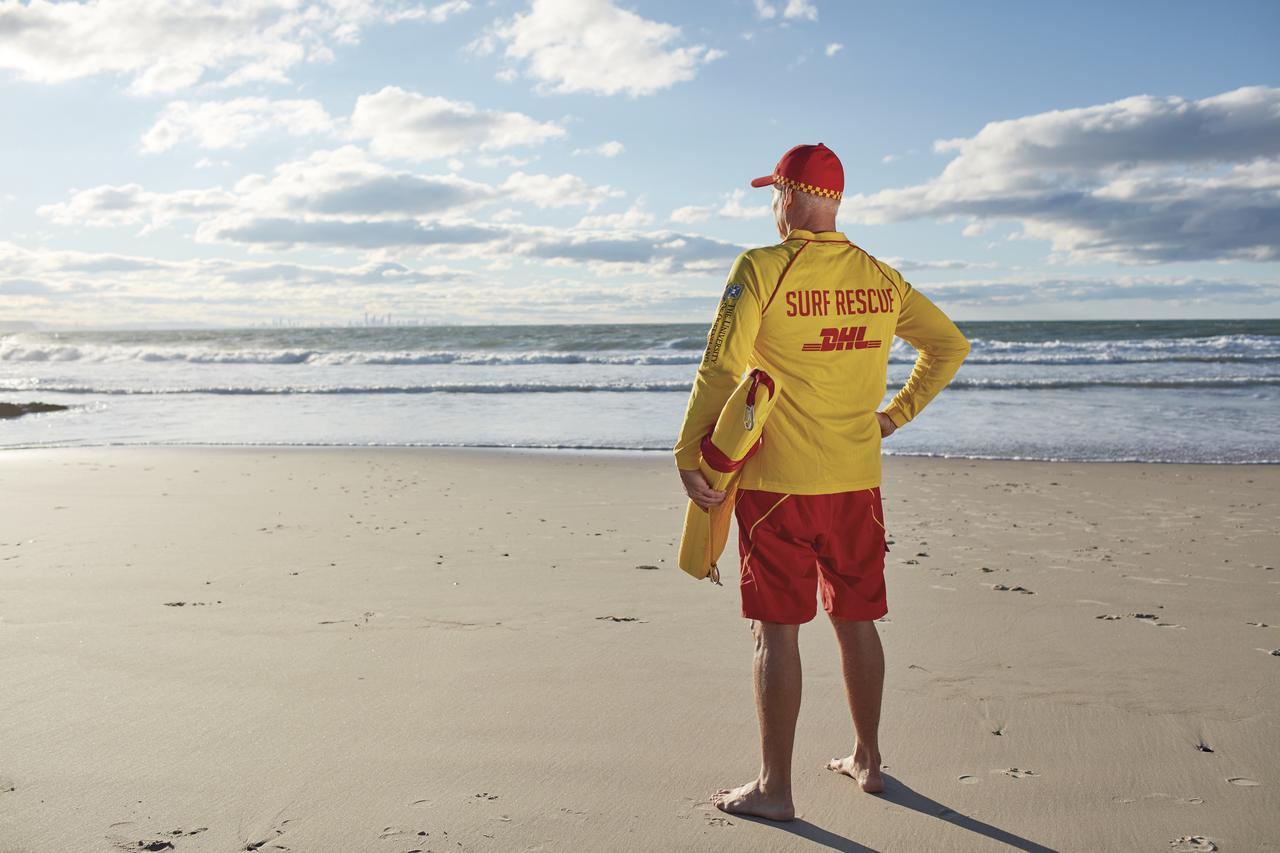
[{"x": 795, "y": 545}]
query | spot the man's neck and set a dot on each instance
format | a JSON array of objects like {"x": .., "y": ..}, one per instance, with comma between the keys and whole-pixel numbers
[{"x": 814, "y": 226}]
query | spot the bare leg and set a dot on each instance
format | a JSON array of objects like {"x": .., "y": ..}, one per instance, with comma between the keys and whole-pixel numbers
[
  {"x": 777, "y": 678},
  {"x": 863, "y": 660}
]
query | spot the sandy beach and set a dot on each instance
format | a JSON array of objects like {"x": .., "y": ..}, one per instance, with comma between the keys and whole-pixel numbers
[{"x": 215, "y": 649}]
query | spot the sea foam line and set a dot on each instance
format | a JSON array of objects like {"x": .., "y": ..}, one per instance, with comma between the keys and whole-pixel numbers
[{"x": 622, "y": 387}]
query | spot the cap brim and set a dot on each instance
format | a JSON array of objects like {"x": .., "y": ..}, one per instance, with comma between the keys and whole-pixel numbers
[{"x": 766, "y": 181}]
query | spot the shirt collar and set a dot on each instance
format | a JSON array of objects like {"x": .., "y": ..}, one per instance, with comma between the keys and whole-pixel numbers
[{"x": 820, "y": 236}]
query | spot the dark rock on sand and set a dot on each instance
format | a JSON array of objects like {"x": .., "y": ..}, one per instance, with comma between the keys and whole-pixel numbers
[{"x": 13, "y": 410}]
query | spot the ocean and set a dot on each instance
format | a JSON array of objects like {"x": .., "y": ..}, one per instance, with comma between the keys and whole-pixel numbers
[{"x": 1157, "y": 391}]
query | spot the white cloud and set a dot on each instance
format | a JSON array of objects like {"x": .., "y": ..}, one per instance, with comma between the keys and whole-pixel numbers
[
  {"x": 337, "y": 199},
  {"x": 557, "y": 190},
  {"x": 889, "y": 158},
  {"x": 1143, "y": 179},
  {"x": 437, "y": 14},
  {"x": 107, "y": 289},
  {"x": 792, "y": 10},
  {"x": 411, "y": 126},
  {"x": 632, "y": 218},
  {"x": 342, "y": 184},
  {"x": 233, "y": 123},
  {"x": 800, "y": 9},
  {"x": 164, "y": 46},
  {"x": 504, "y": 160},
  {"x": 908, "y": 265},
  {"x": 692, "y": 213},
  {"x": 731, "y": 208},
  {"x": 606, "y": 149},
  {"x": 1170, "y": 290},
  {"x": 834, "y": 48},
  {"x": 594, "y": 46},
  {"x": 130, "y": 204}
]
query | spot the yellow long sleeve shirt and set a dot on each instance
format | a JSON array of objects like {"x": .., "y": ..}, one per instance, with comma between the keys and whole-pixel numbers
[{"x": 819, "y": 313}]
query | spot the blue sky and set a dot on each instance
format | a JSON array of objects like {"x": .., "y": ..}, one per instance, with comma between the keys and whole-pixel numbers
[{"x": 174, "y": 163}]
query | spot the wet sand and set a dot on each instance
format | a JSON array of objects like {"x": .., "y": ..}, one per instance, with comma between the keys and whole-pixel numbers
[{"x": 394, "y": 650}]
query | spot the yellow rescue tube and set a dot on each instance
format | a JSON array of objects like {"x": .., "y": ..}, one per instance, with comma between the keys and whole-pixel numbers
[{"x": 738, "y": 433}]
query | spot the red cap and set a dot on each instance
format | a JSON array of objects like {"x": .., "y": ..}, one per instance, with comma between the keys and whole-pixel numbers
[{"x": 809, "y": 168}]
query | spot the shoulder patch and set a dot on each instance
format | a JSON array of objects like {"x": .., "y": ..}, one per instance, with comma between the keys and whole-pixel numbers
[{"x": 733, "y": 291}]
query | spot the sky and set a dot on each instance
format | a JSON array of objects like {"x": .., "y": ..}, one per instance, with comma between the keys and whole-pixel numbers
[{"x": 170, "y": 163}]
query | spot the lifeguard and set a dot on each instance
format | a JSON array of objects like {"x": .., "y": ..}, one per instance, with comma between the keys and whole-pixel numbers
[{"x": 808, "y": 503}]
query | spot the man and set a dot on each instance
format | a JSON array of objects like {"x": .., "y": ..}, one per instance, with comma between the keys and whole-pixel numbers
[{"x": 819, "y": 314}]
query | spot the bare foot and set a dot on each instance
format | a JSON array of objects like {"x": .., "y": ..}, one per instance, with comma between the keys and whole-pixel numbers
[
  {"x": 863, "y": 769},
  {"x": 750, "y": 800}
]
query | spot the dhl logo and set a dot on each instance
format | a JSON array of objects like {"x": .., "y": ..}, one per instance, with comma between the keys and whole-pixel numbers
[{"x": 848, "y": 337}]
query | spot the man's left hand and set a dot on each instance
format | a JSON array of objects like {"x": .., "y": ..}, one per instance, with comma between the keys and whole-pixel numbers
[
  {"x": 699, "y": 490},
  {"x": 887, "y": 426}
]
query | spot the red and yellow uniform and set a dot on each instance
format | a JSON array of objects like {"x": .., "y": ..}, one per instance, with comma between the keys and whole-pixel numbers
[{"x": 819, "y": 313}]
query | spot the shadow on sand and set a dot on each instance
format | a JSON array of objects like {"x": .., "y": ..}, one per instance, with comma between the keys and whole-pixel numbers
[{"x": 898, "y": 793}]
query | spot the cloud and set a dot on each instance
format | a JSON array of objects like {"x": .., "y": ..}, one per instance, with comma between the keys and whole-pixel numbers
[
  {"x": 1141, "y": 180},
  {"x": 130, "y": 204},
  {"x": 908, "y": 265},
  {"x": 634, "y": 217},
  {"x": 731, "y": 208},
  {"x": 411, "y": 126},
  {"x": 279, "y": 232},
  {"x": 622, "y": 251},
  {"x": 792, "y": 10},
  {"x": 437, "y": 14},
  {"x": 557, "y": 191},
  {"x": 338, "y": 199},
  {"x": 800, "y": 9},
  {"x": 1181, "y": 290},
  {"x": 233, "y": 123},
  {"x": 345, "y": 182},
  {"x": 168, "y": 46},
  {"x": 326, "y": 185},
  {"x": 594, "y": 46},
  {"x": 103, "y": 289},
  {"x": 606, "y": 149},
  {"x": 834, "y": 48}
]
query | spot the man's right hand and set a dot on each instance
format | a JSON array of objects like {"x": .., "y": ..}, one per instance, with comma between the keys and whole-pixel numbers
[
  {"x": 887, "y": 426},
  {"x": 699, "y": 491}
]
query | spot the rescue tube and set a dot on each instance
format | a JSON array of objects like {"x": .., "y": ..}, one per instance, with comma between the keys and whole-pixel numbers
[{"x": 738, "y": 434}]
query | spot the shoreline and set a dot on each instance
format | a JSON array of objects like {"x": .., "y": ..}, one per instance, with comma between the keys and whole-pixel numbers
[{"x": 639, "y": 452}]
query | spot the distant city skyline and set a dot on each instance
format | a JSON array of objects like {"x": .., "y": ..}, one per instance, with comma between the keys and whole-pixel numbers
[{"x": 553, "y": 161}]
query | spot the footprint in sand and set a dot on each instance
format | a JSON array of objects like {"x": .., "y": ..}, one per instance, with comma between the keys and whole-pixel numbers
[
  {"x": 1193, "y": 844},
  {"x": 969, "y": 780},
  {"x": 263, "y": 832},
  {"x": 1015, "y": 773},
  {"x": 153, "y": 841},
  {"x": 1243, "y": 782}
]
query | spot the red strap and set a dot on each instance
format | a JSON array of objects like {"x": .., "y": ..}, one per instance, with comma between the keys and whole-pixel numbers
[
  {"x": 758, "y": 378},
  {"x": 720, "y": 461}
]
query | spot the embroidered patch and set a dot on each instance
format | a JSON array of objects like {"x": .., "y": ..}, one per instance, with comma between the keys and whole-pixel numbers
[
  {"x": 733, "y": 291},
  {"x": 720, "y": 329}
]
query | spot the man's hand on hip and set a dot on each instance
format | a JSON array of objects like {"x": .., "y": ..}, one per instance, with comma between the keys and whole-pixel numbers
[
  {"x": 699, "y": 491},
  {"x": 887, "y": 426}
]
